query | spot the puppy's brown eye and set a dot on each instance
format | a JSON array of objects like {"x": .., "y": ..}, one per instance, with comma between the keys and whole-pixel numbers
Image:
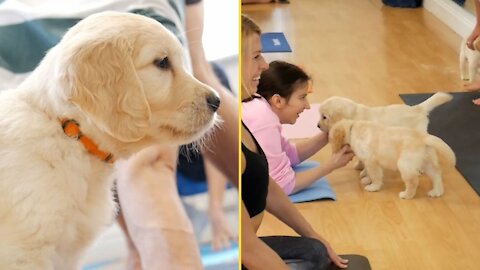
[
  {"x": 324, "y": 117},
  {"x": 162, "y": 63}
]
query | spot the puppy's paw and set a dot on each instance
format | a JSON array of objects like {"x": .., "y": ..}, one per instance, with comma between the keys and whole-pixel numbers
[
  {"x": 365, "y": 180},
  {"x": 434, "y": 193},
  {"x": 406, "y": 195},
  {"x": 372, "y": 187}
]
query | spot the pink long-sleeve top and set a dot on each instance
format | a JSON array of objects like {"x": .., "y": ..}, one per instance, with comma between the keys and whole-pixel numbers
[{"x": 265, "y": 125}]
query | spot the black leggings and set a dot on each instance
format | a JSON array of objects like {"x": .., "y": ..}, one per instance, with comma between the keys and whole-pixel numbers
[{"x": 299, "y": 253}]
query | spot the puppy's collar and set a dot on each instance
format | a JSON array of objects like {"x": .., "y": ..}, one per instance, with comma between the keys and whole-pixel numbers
[{"x": 72, "y": 130}]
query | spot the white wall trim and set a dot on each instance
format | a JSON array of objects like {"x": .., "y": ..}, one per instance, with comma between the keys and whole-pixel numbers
[{"x": 457, "y": 18}]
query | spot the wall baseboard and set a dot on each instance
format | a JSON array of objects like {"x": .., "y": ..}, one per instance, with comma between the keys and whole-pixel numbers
[{"x": 455, "y": 17}]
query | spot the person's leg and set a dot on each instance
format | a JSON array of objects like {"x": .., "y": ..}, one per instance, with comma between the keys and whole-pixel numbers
[{"x": 299, "y": 252}]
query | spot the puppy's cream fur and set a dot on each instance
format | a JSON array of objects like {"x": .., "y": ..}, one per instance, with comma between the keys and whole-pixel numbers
[
  {"x": 55, "y": 197},
  {"x": 335, "y": 109},
  {"x": 407, "y": 150},
  {"x": 469, "y": 60}
]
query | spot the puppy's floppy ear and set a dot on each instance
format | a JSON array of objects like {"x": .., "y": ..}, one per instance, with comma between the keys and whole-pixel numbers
[
  {"x": 100, "y": 78},
  {"x": 336, "y": 136}
]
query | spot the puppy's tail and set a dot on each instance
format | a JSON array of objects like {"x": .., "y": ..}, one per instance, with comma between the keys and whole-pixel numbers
[
  {"x": 442, "y": 148},
  {"x": 435, "y": 101}
]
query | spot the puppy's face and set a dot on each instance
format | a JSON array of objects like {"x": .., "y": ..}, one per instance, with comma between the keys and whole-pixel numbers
[
  {"x": 334, "y": 109},
  {"x": 126, "y": 73}
]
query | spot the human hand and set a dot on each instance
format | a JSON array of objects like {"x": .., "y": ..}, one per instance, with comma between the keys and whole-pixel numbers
[
  {"x": 221, "y": 235},
  {"x": 342, "y": 157},
  {"x": 476, "y": 101},
  {"x": 337, "y": 260},
  {"x": 473, "y": 86},
  {"x": 475, "y": 33}
]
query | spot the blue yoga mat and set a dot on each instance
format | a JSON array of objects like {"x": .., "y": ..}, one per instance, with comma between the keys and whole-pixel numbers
[
  {"x": 274, "y": 42},
  {"x": 320, "y": 190},
  {"x": 226, "y": 259}
]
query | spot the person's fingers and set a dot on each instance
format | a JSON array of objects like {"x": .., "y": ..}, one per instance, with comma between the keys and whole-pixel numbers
[
  {"x": 470, "y": 44},
  {"x": 470, "y": 41},
  {"x": 221, "y": 241},
  {"x": 476, "y": 101},
  {"x": 340, "y": 262}
]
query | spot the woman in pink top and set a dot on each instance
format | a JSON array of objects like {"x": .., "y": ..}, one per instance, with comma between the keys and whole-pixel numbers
[{"x": 282, "y": 96}]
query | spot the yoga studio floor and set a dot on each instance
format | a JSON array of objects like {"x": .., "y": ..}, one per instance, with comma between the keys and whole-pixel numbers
[{"x": 372, "y": 53}]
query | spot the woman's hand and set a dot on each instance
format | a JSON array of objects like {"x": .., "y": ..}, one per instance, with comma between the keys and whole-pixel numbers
[
  {"x": 221, "y": 235},
  {"x": 473, "y": 36},
  {"x": 337, "y": 260},
  {"x": 341, "y": 158}
]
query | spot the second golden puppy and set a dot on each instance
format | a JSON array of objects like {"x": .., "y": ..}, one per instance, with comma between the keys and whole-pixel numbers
[{"x": 407, "y": 150}]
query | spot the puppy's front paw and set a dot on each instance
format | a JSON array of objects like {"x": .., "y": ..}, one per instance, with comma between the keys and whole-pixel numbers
[
  {"x": 406, "y": 195},
  {"x": 365, "y": 180},
  {"x": 435, "y": 193},
  {"x": 372, "y": 187}
]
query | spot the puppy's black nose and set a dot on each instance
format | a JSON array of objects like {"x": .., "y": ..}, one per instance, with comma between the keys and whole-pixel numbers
[
  {"x": 213, "y": 102},
  {"x": 319, "y": 126}
]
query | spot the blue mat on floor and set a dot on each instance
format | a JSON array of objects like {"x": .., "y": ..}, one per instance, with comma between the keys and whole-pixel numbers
[
  {"x": 457, "y": 123},
  {"x": 274, "y": 42},
  {"x": 320, "y": 190}
]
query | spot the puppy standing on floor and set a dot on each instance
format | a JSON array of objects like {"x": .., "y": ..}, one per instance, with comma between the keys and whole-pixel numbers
[
  {"x": 407, "y": 150},
  {"x": 116, "y": 83},
  {"x": 469, "y": 61},
  {"x": 335, "y": 109}
]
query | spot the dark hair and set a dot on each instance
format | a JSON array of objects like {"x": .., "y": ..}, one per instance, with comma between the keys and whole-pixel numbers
[{"x": 281, "y": 78}]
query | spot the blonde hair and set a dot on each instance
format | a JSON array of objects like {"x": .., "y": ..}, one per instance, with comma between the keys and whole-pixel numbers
[{"x": 249, "y": 27}]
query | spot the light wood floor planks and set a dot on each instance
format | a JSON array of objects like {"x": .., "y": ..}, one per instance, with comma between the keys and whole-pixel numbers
[{"x": 371, "y": 53}]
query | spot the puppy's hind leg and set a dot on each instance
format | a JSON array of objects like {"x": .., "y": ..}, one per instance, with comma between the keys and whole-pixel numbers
[
  {"x": 375, "y": 175},
  {"x": 409, "y": 174},
  {"x": 432, "y": 170}
]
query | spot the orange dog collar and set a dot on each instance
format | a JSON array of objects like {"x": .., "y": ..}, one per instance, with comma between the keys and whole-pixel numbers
[{"x": 72, "y": 130}]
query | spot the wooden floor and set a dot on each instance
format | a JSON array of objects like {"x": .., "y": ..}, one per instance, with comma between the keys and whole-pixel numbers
[{"x": 371, "y": 53}]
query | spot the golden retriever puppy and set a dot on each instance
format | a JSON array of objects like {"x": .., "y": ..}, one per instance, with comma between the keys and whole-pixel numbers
[
  {"x": 407, "y": 150},
  {"x": 336, "y": 108},
  {"x": 117, "y": 83}
]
